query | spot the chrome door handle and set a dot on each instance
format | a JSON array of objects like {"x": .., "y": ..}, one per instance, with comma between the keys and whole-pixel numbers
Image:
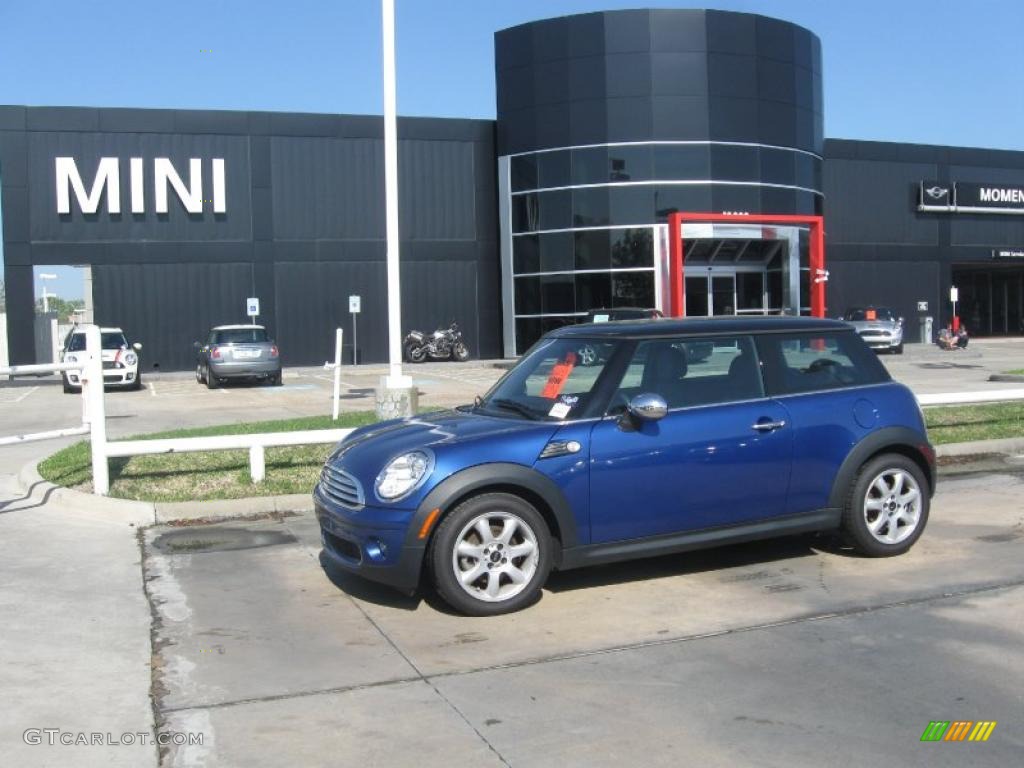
[{"x": 762, "y": 426}]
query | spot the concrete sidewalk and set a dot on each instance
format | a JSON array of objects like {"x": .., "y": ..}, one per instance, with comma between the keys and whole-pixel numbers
[{"x": 75, "y": 645}]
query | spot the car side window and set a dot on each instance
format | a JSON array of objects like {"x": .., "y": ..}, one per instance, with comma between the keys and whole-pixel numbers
[
  {"x": 795, "y": 363},
  {"x": 692, "y": 371}
]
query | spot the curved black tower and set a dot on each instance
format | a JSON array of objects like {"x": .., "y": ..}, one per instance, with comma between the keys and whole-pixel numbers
[{"x": 608, "y": 121}]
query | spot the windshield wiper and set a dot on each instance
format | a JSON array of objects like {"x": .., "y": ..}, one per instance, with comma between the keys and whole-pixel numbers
[{"x": 512, "y": 405}]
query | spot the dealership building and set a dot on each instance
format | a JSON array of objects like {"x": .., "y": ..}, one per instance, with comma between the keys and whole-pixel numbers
[{"x": 607, "y": 124}]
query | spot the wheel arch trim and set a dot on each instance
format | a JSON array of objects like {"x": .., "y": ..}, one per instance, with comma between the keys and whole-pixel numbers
[
  {"x": 900, "y": 440},
  {"x": 500, "y": 477}
]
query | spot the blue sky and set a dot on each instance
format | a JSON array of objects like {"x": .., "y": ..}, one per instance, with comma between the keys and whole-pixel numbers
[{"x": 938, "y": 72}]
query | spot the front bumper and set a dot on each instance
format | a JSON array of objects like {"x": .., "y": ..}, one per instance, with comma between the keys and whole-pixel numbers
[
  {"x": 371, "y": 542},
  {"x": 256, "y": 369},
  {"x": 882, "y": 342},
  {"x": 112, "y": 377}
]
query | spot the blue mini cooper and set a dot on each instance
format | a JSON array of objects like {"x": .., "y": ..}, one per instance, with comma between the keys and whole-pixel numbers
[{"x": 679, "y": 434}]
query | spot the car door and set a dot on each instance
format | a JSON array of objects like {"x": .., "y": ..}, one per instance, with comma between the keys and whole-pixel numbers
[
  {"x": 720, "y": 456},
  {"x": 833, "y": 389}
]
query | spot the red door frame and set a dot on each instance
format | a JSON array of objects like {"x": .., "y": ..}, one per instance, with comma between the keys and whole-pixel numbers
[{"x": 677, "y": 258}]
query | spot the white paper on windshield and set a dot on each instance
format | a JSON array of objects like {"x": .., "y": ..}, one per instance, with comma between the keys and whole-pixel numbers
[
  {"x": 600, "y": 318},
  {"x": 559, "y": 410}
]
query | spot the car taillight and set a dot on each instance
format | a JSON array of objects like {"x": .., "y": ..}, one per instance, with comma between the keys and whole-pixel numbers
[
  {"x": 273, "y": 350},
  {"x": 215, "y": 352}
]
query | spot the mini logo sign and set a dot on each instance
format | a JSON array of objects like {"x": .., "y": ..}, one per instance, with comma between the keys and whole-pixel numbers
[
  {"x": 164, "y": 175},
  {"x": 971, "y": 197},
  {"x": 958, "y": 730}
]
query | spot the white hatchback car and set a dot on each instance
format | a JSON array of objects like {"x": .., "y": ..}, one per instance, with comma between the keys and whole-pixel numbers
[{"x": 120, "y": 360}]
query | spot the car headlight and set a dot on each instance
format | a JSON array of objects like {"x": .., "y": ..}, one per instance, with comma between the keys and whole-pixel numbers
[
  {"x": 403, "y": 474},
  {"x": 131, "y": 358}
]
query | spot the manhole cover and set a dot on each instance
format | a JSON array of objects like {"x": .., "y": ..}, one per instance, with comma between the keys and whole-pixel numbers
[{"x": 215, "y": 539}]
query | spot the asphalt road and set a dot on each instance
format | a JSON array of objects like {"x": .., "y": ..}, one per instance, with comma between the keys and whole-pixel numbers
[{"x": 786, "y": 653}]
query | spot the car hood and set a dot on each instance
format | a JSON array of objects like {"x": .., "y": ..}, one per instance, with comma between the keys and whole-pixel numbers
[{"x": 458, "y": 439}]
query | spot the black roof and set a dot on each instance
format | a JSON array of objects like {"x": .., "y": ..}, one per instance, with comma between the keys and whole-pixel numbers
[{"x": 629, "y": 329}]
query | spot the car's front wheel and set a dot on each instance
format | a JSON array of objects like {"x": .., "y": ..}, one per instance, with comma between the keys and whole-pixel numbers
[
  {"x": 887, "y": 506},
  {"x": 491, "y": 555}
]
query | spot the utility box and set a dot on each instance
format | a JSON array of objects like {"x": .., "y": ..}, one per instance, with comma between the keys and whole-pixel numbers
[{"x": 926, "y": 329}]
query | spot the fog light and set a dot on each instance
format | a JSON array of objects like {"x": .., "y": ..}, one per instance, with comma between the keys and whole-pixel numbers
[{"x": 376, "y": 549}]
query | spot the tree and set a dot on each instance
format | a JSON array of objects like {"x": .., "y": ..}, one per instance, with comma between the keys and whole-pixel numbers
[{"x": 63, "y": 307}]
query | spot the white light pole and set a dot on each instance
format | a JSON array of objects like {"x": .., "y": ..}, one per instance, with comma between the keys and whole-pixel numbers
[
  {"x": 43, "y": 277},
  {"x": 395, "y": 379}
]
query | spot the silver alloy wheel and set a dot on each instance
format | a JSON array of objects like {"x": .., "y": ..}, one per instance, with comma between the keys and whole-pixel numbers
[
  {"x": 892, "y": 506},
  {"x": 588, "y": 355},
  {"x": 496, "y": 556},
  {"x": 199, "y": 372}
]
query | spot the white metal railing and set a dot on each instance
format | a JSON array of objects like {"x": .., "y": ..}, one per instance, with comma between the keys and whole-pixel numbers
[
  {"x": 94, "y": 417},
  {"x": 257, "y": 445}
]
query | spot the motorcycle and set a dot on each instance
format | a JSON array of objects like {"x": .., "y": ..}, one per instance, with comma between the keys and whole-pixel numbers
[{"x": 442, "y": 344}]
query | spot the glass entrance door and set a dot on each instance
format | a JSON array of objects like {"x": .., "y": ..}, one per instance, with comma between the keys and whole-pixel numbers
[{"x": 723, "y": 294}]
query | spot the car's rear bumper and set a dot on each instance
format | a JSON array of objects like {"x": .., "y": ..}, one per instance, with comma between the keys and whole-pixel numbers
[{"x": 246, "y": 369}]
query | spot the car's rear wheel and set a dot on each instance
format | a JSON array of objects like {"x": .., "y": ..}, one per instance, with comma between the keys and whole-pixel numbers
[
  {"x": 211, "y": 380},
  {"x": 491, "y": 555},
  {"x": 199, "y": 373},
  {"x": 276, "y": 380},
  {"x": 887, "y": 507}
]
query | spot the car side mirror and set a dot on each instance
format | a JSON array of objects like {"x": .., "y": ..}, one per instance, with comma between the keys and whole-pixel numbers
[
  {"x": 137, "y": 346},
  {"x": 648, "y": 407}
]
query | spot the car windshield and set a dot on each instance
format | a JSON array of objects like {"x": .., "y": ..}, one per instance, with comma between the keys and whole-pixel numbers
[
  {"x": 239, "y": 336},
  {"x": 110, "y": 340},
  {"x": 870, "y": 313},
  {"x": 553, "y": 382}
]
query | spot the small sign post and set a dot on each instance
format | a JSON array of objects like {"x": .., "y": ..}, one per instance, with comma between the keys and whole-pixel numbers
[
  {"x": 354, "y": 308},
  {"x": 954, "y": 296},
  {"x": 252, "y": 308}
]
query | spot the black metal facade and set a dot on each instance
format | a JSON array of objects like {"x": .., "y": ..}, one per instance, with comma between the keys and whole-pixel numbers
[
  {"x": 302, "y": 226},
  {"x": 611, "y": 120},
  {"x": 882, "y": 250},
  {"x": 605, "y": 123}
]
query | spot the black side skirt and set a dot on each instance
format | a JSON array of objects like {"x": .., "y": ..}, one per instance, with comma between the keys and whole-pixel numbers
[{"x": 594, "y": 554}]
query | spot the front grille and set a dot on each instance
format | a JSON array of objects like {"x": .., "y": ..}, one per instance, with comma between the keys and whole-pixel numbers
[
  {"x": 341, "y": 488},
  {"x": 111, "y": 364}
]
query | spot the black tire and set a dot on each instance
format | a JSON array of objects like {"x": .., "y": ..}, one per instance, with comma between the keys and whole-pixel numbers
[
  {"x": 415, "y": 353},
  {"x": 455, "y": 526},
  {"x": 211, "y": 380},
  {"x": 899, "y": 348},
  {"x": 858, "y": 517},
  {"x": 199, "y": 374},
  {"x": 68, "y": 389},
  {"x": 277, "y": 379},
  {"x": 460, "y": 353},
  {"x": 137, "y": 384}
]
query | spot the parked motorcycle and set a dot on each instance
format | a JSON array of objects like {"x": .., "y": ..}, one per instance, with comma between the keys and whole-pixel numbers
[{"x": 442, "y": 344}]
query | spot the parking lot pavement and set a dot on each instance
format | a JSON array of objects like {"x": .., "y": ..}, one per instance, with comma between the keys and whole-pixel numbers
[
  {"x": 926, "y": 369},
  {"x": 788, "y": 653}
]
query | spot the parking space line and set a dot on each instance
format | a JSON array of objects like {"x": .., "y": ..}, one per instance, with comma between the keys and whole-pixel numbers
[
  {"x": 152, "y": 389},
  {"x": 19, "y": 399}
]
